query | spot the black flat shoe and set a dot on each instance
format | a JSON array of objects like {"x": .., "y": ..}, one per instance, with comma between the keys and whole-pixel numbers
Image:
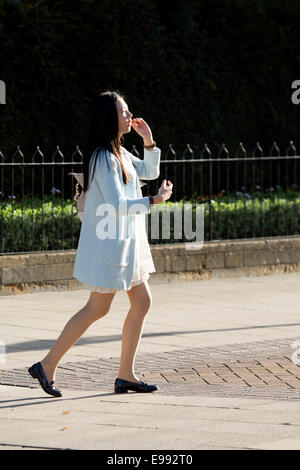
[
  {"x": 37, "y": 372},
  {"x": 122, "y": 386}
]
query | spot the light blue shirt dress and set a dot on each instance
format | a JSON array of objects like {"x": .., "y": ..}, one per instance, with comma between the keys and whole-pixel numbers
[{"x": 123, "y": 257}]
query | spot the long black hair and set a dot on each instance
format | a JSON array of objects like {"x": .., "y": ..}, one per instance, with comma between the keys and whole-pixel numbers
[{"x": 103, "y": 134}]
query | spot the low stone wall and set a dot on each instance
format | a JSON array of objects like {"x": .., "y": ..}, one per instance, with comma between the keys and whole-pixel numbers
[{"x": 21, "y": 273}]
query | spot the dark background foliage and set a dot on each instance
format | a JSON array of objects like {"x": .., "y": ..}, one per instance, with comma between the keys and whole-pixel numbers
[{"x": 196, "y": 70}]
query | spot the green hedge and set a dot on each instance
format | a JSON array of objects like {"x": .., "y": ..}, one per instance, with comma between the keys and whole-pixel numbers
[
  {"x": 48, "y": 226},
  {"x": 57, "y": 227}
]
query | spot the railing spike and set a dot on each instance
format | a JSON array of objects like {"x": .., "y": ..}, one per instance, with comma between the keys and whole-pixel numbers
[
  {"x": 172, "y": 151},
  {"x": 292, "y": 146},
  {"x": 77, "y": 151},
  {"x": 188, "y": 150},
  {"x": 258, "y": 147},
  {"x": 135, "y": 151},
  {"x": 223, "y": 148},
  {"x": 274, "y": 146},
  {"x": 242, "y": 148},
  {"x": 206, "y": 149}
]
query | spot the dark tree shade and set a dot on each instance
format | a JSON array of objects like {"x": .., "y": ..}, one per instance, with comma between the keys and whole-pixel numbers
[{"x": 197, "y": 71}]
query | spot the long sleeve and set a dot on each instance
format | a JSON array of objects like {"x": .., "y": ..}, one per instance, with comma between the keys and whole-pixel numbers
[
  {"x": 148, "y": 168},
  {"x": 111, "y": 186}
]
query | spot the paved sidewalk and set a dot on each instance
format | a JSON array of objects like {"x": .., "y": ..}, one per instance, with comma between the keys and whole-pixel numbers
[{"x": 220, "y": 351}]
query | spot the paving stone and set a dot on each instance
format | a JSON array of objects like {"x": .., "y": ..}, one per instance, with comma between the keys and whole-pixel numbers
[{"x": 191, "y": 372}]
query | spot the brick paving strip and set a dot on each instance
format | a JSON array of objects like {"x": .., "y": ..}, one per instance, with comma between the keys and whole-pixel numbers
[{"x": 261, "y": 369}]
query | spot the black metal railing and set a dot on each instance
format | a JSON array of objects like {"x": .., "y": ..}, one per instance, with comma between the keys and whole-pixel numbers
[{"x": 244, "y": 194}]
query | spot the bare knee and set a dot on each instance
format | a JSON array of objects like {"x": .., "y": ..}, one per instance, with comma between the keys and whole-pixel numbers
[
  {"x": 141, "y": 306},
  {"x": 99, "y": 305},
  {"x": 97, "y": 314},
  {"x": 140, "y": 299}
]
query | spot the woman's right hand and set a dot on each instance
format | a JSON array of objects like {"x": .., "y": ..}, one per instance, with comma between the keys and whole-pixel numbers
[{"x": 165, "y": 191}]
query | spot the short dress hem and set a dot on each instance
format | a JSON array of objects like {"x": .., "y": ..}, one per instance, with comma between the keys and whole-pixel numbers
[{"x": 108, "y": 290}]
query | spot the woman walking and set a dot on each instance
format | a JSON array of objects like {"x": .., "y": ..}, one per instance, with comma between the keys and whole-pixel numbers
[{"x": 113, "y": 252}]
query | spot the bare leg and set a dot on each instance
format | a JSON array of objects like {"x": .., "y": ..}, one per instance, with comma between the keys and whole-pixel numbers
[
  {"x": 140, "y": 303},
  {"x": 97, "y": 306}
]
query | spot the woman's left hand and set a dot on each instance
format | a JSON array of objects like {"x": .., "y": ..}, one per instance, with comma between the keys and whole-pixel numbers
[{"x": 142, "y": 128}]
